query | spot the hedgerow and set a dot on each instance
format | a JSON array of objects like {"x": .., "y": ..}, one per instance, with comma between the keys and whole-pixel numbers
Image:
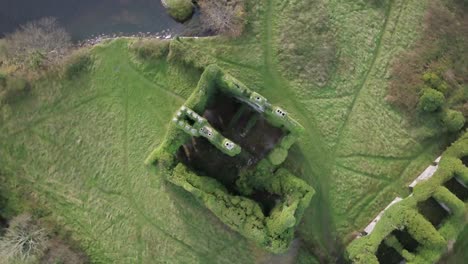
[{"x": 405, "y": 215}]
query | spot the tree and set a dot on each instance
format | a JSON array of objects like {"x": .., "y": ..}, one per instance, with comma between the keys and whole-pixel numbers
[
  {"x": 37, "y": 43},
  {"x": 222, "y": 16},
  {"x": 431, "y": 100},
  {"x": 453, "y": 120}
]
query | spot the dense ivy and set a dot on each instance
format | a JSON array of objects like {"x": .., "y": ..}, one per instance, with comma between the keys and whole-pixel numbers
[
  {"x": 433, "y": 242},
  {"x": 273, "y": 230}
]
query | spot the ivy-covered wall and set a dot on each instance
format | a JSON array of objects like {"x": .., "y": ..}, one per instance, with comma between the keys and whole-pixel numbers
[
  {"x": 274, "y": 230},
  {"x": 405, "y": 215}
]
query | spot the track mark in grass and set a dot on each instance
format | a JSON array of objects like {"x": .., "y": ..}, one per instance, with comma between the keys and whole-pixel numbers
[
  {"x": 152, "y": 223},
  {"x": 161, "y": 87},
  {"x": 370, "y": 156},
  {"x": 58, "y": 112},
  {"x": 366, "y": 76},
  {"x": 364, "y": 174},
  {"x": 44, "y": 137},
  {"x": 141, "y": 244},
  {"x": 235, "y": 63},
  {"x": 325, "y": 97},
  {"x": 321, "y": 157}
]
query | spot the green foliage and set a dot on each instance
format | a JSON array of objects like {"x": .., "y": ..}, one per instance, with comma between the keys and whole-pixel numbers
[
  {"x": 431, "y": 100},
  {"x": 150, "y": 49},
  {"x": 36, "y": 60},
  {"x": 3, "y": 79},
  {"x": 405, "y": 215},
  {"x": 180, "y": 10},
  {"x": 274, "y": 232},
  {"x": 77, "y": 64},
  {"x": 453, "y": 120},
  {"x": 436, "y": 60},
  {"x": 277, "y": 156},
  {"x": 13, "y": 89}
]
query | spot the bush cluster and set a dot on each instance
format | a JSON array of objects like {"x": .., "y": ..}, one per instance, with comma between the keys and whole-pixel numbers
[
  {"x": 180, "y": 10},
  {"x": 431, "y": 76},
  {"x": 77, "y": 64},
  {"x": 37, "y": 43},
  {"x": 12, "y": 88},
  {"x": 150, "y": 49},
  {"x": 431, "y": 100}
]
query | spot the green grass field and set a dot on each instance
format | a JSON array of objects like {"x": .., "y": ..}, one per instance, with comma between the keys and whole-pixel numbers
[{"x": 77, "y": 146}]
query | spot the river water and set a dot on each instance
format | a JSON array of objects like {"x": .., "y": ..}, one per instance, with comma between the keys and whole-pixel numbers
[{"x": 85, "y": 19}]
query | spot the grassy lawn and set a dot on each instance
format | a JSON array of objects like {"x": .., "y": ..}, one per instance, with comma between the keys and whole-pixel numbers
[{"x": 77, "y": 147}]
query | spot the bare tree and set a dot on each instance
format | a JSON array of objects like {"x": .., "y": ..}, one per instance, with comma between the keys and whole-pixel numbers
[
  {"x": 222, "y": 16},
  {"x": 37, "y": 43},
  {"x": 23, "y": 241}
]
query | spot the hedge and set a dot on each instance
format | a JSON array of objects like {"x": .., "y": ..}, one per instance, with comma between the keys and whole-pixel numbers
[{"x": 274, "y": 232}]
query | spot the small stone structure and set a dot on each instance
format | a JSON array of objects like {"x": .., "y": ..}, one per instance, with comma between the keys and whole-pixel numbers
[
  {"x": 201, "y": 127},
  {"x": 427, "y": 173},
  {"x": 374, "y": 222}
]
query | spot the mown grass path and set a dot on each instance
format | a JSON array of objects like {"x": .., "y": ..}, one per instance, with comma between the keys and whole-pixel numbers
[{"x": 317, "y": 158}]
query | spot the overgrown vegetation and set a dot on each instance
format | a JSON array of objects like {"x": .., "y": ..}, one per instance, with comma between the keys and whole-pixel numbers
[
  {"x": 271, "y": 230},
  {"x": 225, "y": 17},
  {"x": 77, "y": 64},
  {"x": 24, "y": 241},
  {"x": 432, "y": 75},
  {"x": 150, "y": 49},
  {"x": 36, "y": 44},
  {"x": 12, "y": 88},
  {"x": 433, "y": 240},
  {"x": 217, "y": 17},
  {"x": 180, "y": 10}
]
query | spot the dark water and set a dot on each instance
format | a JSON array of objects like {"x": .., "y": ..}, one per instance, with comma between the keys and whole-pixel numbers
[{"x": 85, "y": 18}]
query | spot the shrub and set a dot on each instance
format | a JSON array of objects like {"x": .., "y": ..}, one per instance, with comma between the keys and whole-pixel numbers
[
  {"x": 437, "y": 60},
  {"x": 432, "y": 79},
  {"x": 180, "y": 10},
  {"x": 431, "y": 100},
  {"x": 37, "y": 43},
  {"x": 23, "y": 241},
  {"x": 150, "y": 49},
  {"x": 453, "y": 120},
  {"x": 3, "y": 78},
  {"x": 277, "y": 156},
  {"x": 77, "y": 64},
  {"x": 14, "y": 88},
  {"x": 225, "y": 17}
]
